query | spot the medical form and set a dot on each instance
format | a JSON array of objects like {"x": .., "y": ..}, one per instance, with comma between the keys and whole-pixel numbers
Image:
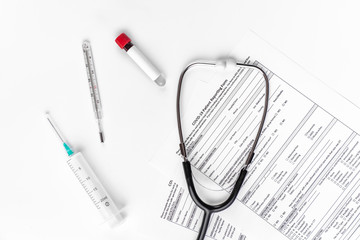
[{"x": 304, "y": 182}]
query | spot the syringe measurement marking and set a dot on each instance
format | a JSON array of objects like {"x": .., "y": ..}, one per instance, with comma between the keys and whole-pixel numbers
[{"x": 96, "y": 203}]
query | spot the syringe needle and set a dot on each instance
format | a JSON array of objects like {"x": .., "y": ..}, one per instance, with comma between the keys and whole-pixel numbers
[
  {"x": 67, "y": 148},
  {"x": 53, "y": 126}
]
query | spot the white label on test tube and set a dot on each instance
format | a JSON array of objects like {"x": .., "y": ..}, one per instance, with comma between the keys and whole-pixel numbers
[
  {"x": 143, "y": 63},
  {"x": 94, "y": 189}
]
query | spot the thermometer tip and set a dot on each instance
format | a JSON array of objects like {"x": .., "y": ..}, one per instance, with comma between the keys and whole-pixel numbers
[{"x": 101, "y": 137}]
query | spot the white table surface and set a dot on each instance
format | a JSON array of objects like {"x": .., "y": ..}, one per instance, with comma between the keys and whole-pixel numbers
[{"x": 42, "y": 69}]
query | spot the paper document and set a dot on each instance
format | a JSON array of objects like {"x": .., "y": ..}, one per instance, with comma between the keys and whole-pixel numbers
[
  {"x": 180, "y": 209},
  {"x": 173, "y": 215},
  {"x": 304, "y": 181}
]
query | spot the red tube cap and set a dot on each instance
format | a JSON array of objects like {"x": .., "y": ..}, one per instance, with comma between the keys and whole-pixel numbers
[{"x": 122, "y": 40}]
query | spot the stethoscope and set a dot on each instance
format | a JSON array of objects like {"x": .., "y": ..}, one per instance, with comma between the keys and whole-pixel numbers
[{"x": 210, "y": 209}]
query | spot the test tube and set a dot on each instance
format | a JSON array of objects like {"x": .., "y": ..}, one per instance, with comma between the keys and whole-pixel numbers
[{"x": 139, "y": 58}]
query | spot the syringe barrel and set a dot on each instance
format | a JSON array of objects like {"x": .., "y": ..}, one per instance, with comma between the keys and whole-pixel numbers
[{"x": 94, "y": 189}]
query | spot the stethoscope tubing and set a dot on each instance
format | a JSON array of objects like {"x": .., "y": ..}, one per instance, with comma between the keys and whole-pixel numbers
[{"x": 210, "y": 209}]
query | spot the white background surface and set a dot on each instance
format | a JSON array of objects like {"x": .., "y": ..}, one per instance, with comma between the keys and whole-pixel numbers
[{"x": 42, "y": 69}]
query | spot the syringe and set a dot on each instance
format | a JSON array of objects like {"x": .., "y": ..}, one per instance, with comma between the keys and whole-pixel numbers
[{"x": 91, "y": 184}]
